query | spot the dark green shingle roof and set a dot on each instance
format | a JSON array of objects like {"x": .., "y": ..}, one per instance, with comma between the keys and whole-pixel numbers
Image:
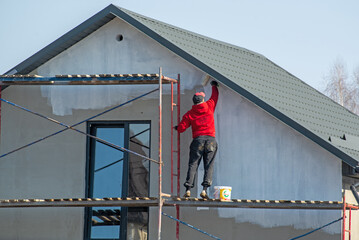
[{"x": 265, "y": 80}]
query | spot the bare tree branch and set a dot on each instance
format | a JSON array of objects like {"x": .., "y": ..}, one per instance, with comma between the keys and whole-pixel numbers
[{"x": 340, "y": 89}]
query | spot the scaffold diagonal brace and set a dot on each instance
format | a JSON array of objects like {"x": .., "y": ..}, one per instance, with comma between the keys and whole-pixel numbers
[{"x": 72, "y": 127}]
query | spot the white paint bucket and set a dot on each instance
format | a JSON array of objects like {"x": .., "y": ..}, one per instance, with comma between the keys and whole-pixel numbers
[{"x": 223, "y": 193}]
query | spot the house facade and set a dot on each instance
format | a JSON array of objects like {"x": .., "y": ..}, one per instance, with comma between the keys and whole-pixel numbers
[{"x": 273, "y": 132}]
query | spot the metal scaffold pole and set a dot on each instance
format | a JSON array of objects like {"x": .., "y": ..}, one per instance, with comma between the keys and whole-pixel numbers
[
  {"x": 172, "y": 148},
  {"x": 178, "y": 150},
  {"x": 160, "y": 202}
]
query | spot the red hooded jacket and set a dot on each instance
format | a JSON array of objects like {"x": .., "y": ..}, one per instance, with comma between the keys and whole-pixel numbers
[{"x": 201, "y": 118}]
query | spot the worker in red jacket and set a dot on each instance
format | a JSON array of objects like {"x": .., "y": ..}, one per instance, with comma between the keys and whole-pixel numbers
[{"x": 201, "y": 118}]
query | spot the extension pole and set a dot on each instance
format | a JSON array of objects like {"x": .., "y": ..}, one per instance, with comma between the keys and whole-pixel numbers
[{"x": 160, "y": 203}]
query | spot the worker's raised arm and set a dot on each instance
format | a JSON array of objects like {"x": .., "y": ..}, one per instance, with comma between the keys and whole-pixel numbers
[
  {"x": 184, "y": 124},
  {"x": 214, "y": 97}
]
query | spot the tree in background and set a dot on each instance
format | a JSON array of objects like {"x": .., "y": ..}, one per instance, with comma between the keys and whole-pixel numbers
[
  {"x": 355, "y": 91},
  {"x": 341, "y": 88}
]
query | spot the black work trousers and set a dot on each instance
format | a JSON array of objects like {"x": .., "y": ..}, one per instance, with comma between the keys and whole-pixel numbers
[{"x": 206, "y": 147}]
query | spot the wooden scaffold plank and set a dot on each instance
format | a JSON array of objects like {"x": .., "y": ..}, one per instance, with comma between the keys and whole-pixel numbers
[{"x": 175, "y": 201}]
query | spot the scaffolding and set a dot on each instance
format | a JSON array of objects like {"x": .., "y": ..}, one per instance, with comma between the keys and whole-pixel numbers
[
  {"x": 163, "y": 199},
  {"x": 347, "y": 207},
  {"x": 107, "y": 79}
]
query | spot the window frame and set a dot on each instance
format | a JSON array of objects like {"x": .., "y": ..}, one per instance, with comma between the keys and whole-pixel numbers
[{"x": 91, "y": 127}]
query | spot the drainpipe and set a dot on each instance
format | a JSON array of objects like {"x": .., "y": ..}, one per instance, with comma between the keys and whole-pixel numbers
[
  {"x": 0, "y": 110},
  {"x": 354, "y": 191}
]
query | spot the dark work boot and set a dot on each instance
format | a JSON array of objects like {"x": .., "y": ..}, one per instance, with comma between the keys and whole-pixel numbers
[
  {"x": 187, "y": 194},
  {"x": 204, "y": 194}
]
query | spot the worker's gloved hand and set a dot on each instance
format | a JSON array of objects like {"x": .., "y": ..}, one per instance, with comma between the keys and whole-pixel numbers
[
  {"x": 175, "y": 127},
  {"x": 214, "y": 83}
]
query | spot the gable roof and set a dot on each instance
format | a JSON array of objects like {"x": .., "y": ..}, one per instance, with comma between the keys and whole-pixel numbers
[{"x": 251, "y": 75}]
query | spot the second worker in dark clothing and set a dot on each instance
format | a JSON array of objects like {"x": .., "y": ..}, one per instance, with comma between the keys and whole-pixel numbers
[{"x": 201, "y": 119}]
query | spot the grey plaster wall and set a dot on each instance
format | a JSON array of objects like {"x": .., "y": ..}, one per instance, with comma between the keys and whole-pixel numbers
[{"x": 55, "y": 168}]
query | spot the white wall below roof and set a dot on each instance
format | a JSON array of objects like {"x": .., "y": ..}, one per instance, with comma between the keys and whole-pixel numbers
[
  {"x": 102, "y": 53},
  {"x": 261, "y": 158}
]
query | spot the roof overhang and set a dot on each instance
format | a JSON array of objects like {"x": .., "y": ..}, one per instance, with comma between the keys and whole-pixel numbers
[{"x": 64, "y": 42}]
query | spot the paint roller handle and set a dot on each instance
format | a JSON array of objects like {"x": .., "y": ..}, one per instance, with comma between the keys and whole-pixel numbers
[{"x": 214, "y": 83}]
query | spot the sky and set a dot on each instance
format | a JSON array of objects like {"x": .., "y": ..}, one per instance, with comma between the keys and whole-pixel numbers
[{"x": 304, "y": 37}]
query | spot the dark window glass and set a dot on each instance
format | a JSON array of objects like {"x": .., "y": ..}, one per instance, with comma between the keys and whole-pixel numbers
[{"x": 113, "y": 173}]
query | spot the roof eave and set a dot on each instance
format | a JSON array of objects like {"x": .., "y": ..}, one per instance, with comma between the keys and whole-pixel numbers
[{"x": 64, "y": 42}]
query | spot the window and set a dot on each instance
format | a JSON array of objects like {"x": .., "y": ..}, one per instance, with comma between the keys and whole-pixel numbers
[{"x": 113, "y": 173}]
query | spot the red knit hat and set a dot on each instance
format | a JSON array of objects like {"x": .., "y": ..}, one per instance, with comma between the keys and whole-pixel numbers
[{"x": 198, "y": 97}]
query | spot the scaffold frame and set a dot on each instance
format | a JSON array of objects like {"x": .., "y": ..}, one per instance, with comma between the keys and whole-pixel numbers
[
  {"x": 163, "y": 199},
  {"x": 101, "y": 79}
]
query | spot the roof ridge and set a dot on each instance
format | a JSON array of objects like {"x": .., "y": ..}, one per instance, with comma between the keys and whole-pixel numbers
[{"x": 226, "y": 44}]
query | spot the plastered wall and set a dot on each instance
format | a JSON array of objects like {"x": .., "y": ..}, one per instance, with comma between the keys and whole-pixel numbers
[{"x": 55, "y": 168}]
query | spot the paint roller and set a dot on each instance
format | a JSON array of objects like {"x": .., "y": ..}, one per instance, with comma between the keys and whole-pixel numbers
[{"x": 205, "y": 81}]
